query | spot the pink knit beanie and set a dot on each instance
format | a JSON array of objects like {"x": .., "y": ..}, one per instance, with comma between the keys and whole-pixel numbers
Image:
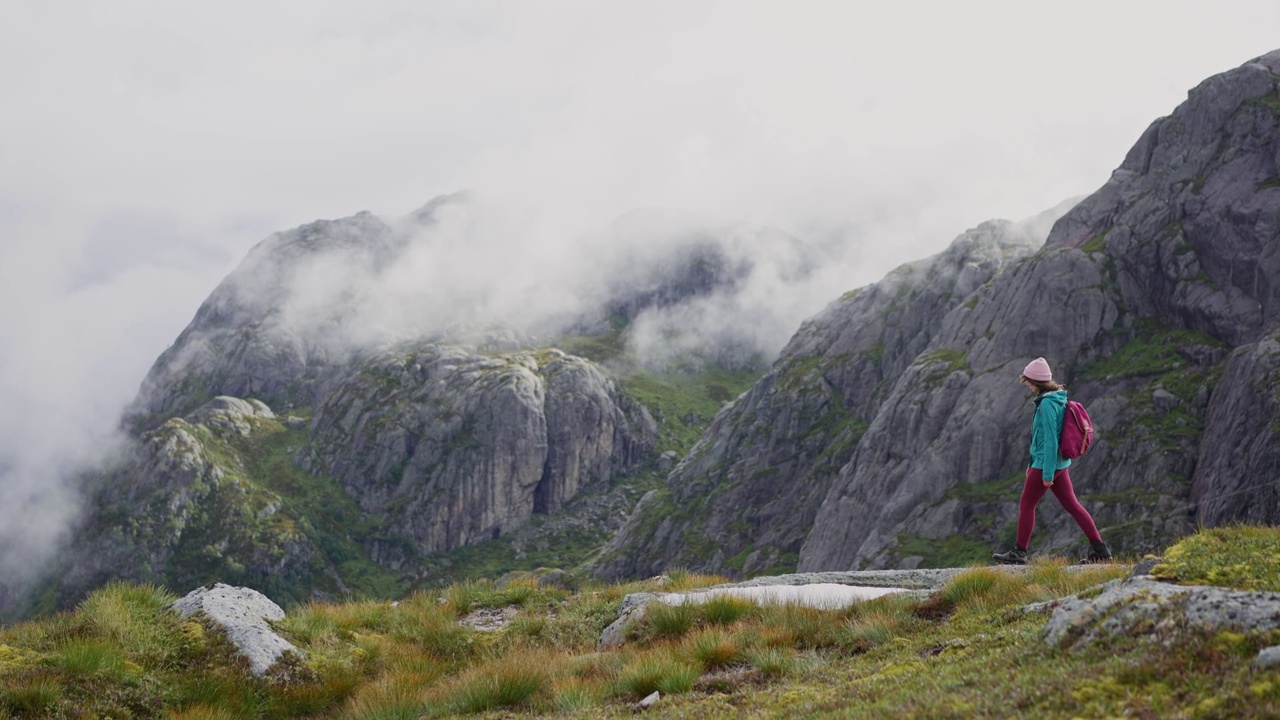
[{"x": 1038, "y": 369}]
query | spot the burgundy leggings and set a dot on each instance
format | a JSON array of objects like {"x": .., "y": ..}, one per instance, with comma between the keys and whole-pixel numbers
[{"x": 1034, "y": 489}]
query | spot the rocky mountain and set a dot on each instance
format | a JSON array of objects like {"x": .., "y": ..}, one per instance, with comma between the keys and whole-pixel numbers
[
  {"x": 891, "y": 432},
  {"x": 324, "y": 426},
  {"x": 366, "y": 405}
]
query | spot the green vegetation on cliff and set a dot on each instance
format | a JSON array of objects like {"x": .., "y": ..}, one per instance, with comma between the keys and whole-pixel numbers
[{"x": 967, "y": 650}]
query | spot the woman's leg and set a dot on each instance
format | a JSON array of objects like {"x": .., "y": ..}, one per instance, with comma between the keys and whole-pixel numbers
[
  {"x": 1067, "y": 496},
  {"x": 1032, "y": 491}
]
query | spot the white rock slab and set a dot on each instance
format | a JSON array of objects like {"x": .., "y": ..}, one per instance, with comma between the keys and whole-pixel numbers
[
  {"x": 242, "y": 613},
  {"x": 824, "y": 596}
]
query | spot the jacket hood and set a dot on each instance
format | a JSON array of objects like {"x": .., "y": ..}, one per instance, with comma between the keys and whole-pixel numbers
[{"x": 1057, "y": 397}]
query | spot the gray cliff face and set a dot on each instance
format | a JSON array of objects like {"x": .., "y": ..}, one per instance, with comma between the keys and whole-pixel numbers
[
  {"x": 1138, "y": 298},
  {"x": 182, "y": 505},
  {"x": 746, "y": 496},
  {"x": 1237, "y": 476},
  {"x": 450, "y": 448}
]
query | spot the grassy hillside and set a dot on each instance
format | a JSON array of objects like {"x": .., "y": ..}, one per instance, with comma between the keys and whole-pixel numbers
[{"x": 966, "y": 651}]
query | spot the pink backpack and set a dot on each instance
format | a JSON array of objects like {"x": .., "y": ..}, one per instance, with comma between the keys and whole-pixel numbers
[{"x": 1077, "y": 431}]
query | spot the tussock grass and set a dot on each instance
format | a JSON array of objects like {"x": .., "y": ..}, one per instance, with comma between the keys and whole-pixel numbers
[
  {"x": 726, "y": 609},
  {"x": 202, "y": 712},
  {"x": 89, "y": 657},
  {"x": 659, "y": 670},
  {"x": 506, "y": 683},
  {"x": 775, "y": 662},
  {"x": 964, "y": 652},
  {"x": 669, "y": 621},
  {"x": 1245, "y": 557},
  {"x": 713, "y": 648},
  {"x": 806, "y": 628},
  {"x": 571, "y": 694},
  {"x": 680, "y": 580}
]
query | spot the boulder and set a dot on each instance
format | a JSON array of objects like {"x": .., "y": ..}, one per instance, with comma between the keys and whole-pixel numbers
[
  {"x": 245, "y": 617},
  {"x": 1140, "y": 605}
]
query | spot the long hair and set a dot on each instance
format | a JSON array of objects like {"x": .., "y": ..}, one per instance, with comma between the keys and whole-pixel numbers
[{"x": 1043, "y": 386}]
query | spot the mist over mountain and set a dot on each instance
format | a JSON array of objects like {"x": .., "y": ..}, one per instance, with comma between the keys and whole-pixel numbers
[
  {"x": 369, "y": 404},
  {"x": 402, "y": 370},
  {"x": 891, "y": 431}
]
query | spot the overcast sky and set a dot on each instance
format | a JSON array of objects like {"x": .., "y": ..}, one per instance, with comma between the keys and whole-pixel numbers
[{"x": 145, "y": 146}]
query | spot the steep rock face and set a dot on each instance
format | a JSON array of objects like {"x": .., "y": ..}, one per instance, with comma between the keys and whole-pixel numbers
[
  {"x": 1237, "y": 475},
  {"x": 449, "y": 447},
  {"x": 746, "y": 496},
  {"x": 1137, "y": 298},
  {"x": 183, "y": 506}
]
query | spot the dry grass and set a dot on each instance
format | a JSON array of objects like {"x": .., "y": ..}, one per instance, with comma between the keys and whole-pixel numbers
[{"x": 968, "y": 651}]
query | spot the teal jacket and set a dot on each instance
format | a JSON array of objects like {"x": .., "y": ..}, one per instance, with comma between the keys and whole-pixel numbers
[{"x": 1046, "y": 428}]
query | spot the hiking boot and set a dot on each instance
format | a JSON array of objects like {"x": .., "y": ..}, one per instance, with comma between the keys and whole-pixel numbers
[
  {"x": 1098, "y": 553},
  {"x": 1016, "y": 556}
]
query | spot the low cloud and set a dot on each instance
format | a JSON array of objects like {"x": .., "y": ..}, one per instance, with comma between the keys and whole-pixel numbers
[{"x": 148, "y": 147}]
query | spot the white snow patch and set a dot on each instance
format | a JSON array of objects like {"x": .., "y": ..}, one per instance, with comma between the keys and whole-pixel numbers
[{"x": 826, "y": 596}]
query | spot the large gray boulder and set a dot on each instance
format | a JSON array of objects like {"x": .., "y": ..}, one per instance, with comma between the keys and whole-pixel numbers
[
  {"x": 245, "y": 616},
  {"x": 1140, "y": 605}
]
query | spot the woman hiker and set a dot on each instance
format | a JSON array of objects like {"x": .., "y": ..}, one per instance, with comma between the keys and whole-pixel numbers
[{"x": 1048, "y": 470}]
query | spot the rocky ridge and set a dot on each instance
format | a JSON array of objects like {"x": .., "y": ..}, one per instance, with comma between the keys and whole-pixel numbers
[{"x": 1156, "y": 301}]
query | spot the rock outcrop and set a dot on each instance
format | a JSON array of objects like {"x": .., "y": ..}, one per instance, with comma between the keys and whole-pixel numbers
[
  {"x": 185, "y": 506},
  {"x": 745, "y": 498},
  {"x": 449, "y": 448},
  {"x": 244, "y": 615},
  {"x": 1142, "y": 606},
  {"x": 892, "y": 432}
]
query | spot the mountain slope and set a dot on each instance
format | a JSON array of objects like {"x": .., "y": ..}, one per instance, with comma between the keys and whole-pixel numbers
[{"x": 1155, "y": 299}]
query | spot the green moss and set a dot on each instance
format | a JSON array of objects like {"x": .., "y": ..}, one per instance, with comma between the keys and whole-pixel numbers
[
  {"x": 684, "y": 404},
  {"x": 1270, "y": 101},
  {"x": 943, "y": 363},
  {"x": 872, "y": 354},
  {"x": 799, "y": 372},
  {"x": 1269, "y": 183},
  {"x": 952, "y": 551},
  {"x": 1152, "y": 351},
  {"x": 1095, "y": 244},
  {"x": 597, "y": 348},
  {"x": 1245, "y": 557},
  {"x": 1003, "y": 489}
]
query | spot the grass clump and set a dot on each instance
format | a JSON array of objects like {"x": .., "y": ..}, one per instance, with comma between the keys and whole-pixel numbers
[
  {"x": 714, "y": 648},
  {"x": 507, "y": 683},
  {"x": 670, "y": 621},
  {"x": 726, "y": 609},
  {"x": 656, "y": 671},
  {"x": 1244, "y": 557}
]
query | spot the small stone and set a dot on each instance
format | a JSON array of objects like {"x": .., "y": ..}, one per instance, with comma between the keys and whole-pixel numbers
[
  {"x": 1145, "y": 566},
  {"x": 650, "y": 700},
  {"x": 1164, "y": 400},
  {"x": 1268, "y": 658},
  {"x": 667, "y": 460}
]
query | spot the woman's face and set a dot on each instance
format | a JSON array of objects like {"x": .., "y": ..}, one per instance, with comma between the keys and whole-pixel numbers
[{"x": 1028, "y": 383}]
